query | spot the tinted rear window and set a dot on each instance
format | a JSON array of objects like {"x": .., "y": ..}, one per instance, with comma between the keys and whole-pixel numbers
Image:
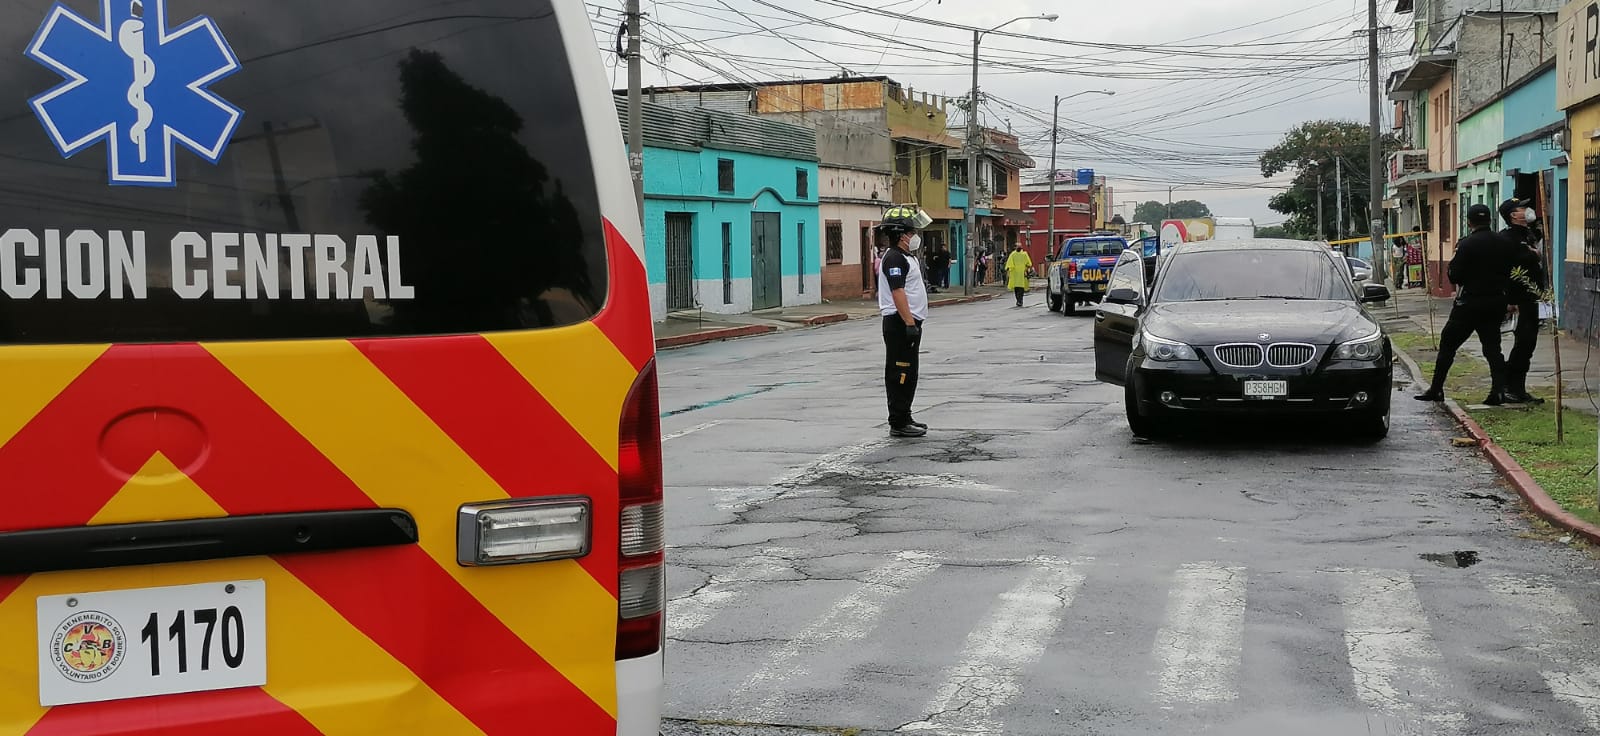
[
  {"x": 382, "y": 167},
  {"x": 1095, "y": 247}
]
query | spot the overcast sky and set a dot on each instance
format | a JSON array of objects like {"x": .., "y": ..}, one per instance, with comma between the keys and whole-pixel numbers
[{"x": 1202, "y": 86}]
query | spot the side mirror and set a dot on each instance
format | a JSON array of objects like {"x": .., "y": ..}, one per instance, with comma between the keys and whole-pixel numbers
[
  {"x": 1374, "y": 293},
  {"x": 1049, "y": 258},
  {"x": 1125, "y": 296}
]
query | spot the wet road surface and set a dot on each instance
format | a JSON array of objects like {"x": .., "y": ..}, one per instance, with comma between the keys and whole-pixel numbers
[{"x": 1029, "y": 569}]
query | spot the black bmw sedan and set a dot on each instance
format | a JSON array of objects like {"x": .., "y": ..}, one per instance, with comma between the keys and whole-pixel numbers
[{"x": 1242, "y": 327}]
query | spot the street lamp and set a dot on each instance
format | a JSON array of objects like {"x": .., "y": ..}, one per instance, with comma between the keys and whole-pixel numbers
[
  {"x": 1055, "y": 118},
  {"x": 972, "y": 146}
]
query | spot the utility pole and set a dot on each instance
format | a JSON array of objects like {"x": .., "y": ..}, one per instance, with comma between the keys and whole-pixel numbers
[
  {"x": 1169, "y": 203},
  {"x": 972, "y": 167},
  {"x": 635, "y": 115},
  {"x": 1338, "y": 195},
  {"x": 1375, "y": 151},
  {"x": 1322, "y": 232},
  {"x": 1055, "y": 119}
]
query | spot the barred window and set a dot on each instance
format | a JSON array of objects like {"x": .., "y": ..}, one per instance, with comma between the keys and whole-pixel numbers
[
  {"x": 1591, "y": 218},
  {"x": 835, "y": 242}
]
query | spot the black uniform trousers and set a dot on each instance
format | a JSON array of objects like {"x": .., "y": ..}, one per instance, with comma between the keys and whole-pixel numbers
[
  {"x": 1465, "y": 319},
  {"x": 1526, "y": 338},
  {"x": 900, "y": 369}
]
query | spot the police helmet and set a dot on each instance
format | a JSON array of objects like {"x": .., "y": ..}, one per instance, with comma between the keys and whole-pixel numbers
[{"x": 905, "y": 218}]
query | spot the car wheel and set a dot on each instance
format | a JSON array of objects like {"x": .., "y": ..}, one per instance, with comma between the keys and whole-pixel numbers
[
  {"x": 1069, "y": 305},
  {"x": 1055, "y": 303},
  {"x": 1141, "y": 425}
]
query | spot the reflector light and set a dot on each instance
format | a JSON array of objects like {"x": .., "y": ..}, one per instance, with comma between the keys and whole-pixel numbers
[
  {"x": 525, "y": 530},
  {"x": 642, "y": 530},
  {"x": 639, "y": 592}
]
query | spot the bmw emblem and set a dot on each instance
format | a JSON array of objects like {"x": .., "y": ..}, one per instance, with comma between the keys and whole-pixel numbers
[{"x": 1264, "y": 336}]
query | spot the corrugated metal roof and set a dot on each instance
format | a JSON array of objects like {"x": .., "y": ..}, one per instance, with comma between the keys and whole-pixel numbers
[{"x": 701, "y": 128}]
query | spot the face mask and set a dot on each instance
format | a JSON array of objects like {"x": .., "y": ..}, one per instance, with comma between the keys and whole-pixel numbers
[
  {"x": 916, "y": 243},
  {"x": 1530, "y": 218}
]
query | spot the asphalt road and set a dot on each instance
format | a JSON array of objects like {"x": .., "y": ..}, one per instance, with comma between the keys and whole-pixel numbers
[{"x": 1029, "y": 569}]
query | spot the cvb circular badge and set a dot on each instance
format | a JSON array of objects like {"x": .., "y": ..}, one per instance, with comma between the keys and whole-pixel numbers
[{"x": 88, "y": 647}]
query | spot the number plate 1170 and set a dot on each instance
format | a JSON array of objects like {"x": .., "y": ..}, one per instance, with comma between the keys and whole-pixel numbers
[{"x": 152, "y": 641}]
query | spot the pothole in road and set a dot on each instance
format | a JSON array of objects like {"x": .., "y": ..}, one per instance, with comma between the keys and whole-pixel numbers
[{"x": 1457, "y": 559}]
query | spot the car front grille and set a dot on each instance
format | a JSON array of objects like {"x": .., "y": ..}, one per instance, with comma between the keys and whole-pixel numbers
[
  {"x": 1290, "y": 354},
  {"x": 1239, "y": 355}
]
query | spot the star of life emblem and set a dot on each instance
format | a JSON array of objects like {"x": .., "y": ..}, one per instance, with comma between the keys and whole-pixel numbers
[{"x": 137, "y": 85}]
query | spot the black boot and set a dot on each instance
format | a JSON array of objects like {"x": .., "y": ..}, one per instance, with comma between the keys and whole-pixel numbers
[
  {"x": 1517, "y": 390},
  {"x": 1433, "y": 394}
]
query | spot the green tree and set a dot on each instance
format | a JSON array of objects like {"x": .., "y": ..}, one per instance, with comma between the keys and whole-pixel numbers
[
  {"x": 1314, "y": 147},
  {"x": 1154, "y": 212},
  {"x": 1273, "y": 231}
]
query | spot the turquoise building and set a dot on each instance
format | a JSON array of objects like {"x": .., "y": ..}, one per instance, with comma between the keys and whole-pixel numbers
[
  {"x": 1533, "y": 164},
  {"x": 731, "y": 216}
]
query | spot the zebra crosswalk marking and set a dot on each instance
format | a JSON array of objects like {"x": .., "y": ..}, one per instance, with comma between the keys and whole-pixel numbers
[
  {"x": 1012, "y": 638},
  {"x": 1393, "y": 661},
  {"x": 1201, "y": 641},
  {"x": 851, "y": 619},
  {"x": 1544, "y": 612}
]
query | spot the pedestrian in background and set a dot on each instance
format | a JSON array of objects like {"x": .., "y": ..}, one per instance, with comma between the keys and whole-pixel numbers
[
  {"x": 1528, "y": 284},
  {"x": 939, "y": 269},
  {"x": 1018, "y": 265},
  {"x": 903, "y": 302},
  {"x": 1481, "y": 271}
]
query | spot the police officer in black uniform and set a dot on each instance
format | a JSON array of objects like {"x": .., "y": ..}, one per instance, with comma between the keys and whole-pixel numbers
[
  {"x": 903, "y": 302},
  {"x": 1481, "y": 271},
  {"x": 1522, "y": 232}
]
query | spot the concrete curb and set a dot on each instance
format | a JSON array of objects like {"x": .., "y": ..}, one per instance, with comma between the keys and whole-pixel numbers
[
  {"x": 964, "y": 300},
  {"x": 1519, "y": 479},
  {"x": 820, "y": 319},
  {"x": 729, "y": 333}
]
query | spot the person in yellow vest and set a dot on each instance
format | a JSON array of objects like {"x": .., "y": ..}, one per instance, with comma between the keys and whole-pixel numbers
[{"x": 1018, "y": 265}]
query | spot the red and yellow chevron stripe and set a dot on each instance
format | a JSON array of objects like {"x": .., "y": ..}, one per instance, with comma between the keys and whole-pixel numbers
[{"x": 399, "y": 639}]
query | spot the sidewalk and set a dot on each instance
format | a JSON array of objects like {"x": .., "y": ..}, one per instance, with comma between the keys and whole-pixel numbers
[
  {"x": 1408, "y": 313},
  {"x": 1550, "y": 468},
  {"x": 692, "y": 327}
]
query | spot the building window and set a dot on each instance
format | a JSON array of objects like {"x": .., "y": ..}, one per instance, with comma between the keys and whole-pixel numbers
[
  {"x": 802, "y": 183},
  {"x": 727, "y": 263},
  {"x": 937, "y": 168},
  {"x": 725, "y": 175},
  {"x": 1002, "y": 182},
  {"x": 1591, "y": 219},
  {"x": 835, "y": 242},
  {"x": 902, "y": 158},
  {"x": 958, "y": 173},
  {"x": 1444, "y": 220}
]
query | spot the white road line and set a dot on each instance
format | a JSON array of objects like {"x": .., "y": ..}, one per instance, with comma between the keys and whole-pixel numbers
[
  {"x": 689, "y": 431},
  {"x": 1201, "y": 644},
  {"x": 1394, "y": 663},
  {"x": 690, "y": 612},
  {"x": 1010, "y": 640},
  {"x": 851, "y": 619},
  {"x": 1549, "y": 617}
]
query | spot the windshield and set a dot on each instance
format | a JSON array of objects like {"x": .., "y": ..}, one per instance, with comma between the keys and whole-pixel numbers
[
  {"x": 1251, "y": 274},
  {"x": 1095, "y": 247}
]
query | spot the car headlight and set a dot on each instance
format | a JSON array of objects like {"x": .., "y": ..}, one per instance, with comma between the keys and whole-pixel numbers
[
  {"x": 1162, "y": 349},
  {"x": 1367, "y": 348}
]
